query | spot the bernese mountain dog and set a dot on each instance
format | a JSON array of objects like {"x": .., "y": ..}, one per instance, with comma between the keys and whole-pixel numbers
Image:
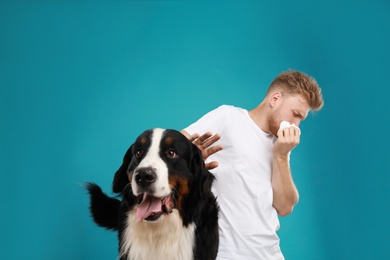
[{"x": 165, "y": 208}]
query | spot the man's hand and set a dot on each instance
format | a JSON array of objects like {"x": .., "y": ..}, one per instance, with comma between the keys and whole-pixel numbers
[
  {"x": 288, "y": 139},
  {"x": 204, "y": 143}
]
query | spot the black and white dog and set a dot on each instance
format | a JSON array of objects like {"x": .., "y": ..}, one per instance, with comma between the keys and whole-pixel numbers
[{"x": 167, "y": 209}]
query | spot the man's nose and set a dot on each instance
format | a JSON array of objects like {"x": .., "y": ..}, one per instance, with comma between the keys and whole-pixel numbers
[{"x": 296, "y": 122}]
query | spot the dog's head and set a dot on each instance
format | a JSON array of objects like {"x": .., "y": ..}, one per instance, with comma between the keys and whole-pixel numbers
[{"x": 160, "y": 170}]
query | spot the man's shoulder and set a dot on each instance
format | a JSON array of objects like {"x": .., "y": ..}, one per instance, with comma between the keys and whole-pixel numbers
[{"x": 231, "y": 108}]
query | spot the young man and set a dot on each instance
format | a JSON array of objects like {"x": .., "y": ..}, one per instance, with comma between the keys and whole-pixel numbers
[{"x": 254, "y": 182}]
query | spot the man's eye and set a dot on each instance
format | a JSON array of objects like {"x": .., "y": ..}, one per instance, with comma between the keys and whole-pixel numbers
[
  {"x": 171, "y": 153},
  {"x": 297, "y": 115},
  {"x": 139, "y": 153}
]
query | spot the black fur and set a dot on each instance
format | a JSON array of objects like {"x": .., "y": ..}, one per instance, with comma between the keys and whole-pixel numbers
[
  {"x": 199, "y": 206},
  {"x": 105, "y": 210}
]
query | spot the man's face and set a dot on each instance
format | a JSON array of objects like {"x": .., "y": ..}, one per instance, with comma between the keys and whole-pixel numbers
[{"x": 291, "y": 108}]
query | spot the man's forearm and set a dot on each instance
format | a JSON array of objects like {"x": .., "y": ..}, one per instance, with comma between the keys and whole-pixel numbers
[{"x": 284, "y": 190}]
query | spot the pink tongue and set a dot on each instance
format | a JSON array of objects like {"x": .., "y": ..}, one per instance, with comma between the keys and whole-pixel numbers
[{"x": 148, "y": 206}]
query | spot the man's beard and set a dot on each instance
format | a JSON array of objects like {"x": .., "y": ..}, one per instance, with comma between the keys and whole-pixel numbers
[{"x": 274, "y": 123}]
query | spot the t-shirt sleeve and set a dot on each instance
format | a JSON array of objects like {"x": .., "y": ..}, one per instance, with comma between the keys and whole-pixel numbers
[{"x": 214, "y": 121}]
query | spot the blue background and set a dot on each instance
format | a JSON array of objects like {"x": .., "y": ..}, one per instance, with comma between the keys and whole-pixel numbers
[{"x": 80, "y": 80}]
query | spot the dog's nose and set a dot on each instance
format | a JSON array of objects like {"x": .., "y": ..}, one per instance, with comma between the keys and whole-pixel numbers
[{"x": 145, "y": 176}]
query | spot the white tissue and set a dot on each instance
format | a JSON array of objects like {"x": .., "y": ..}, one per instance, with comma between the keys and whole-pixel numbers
[{"x": 285, "y": 124}]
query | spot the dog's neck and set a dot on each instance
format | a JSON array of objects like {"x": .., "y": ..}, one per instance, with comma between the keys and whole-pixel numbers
[{"x": 170, "y": 239}]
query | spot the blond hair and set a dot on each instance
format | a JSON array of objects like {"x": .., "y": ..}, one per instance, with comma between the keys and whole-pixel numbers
[{"x": 295, "y": 82}]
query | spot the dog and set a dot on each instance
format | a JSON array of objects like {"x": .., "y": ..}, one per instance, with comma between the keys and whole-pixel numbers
[{"x": 165, "y": 208}]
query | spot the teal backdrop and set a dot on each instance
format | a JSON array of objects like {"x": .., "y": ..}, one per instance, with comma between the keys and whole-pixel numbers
[{"x": 80, "y": 80}]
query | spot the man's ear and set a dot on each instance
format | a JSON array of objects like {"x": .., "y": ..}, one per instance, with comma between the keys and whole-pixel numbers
[
  {"x": 274, "y": 98},
  {"x": 121, "y": 179}
]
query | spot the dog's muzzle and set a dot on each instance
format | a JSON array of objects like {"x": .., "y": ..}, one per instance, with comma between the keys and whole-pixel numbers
[{"x": 150, "y": 208}]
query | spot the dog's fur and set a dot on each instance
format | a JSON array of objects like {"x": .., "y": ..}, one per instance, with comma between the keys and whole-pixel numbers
[{"x": 167, "y": 209}]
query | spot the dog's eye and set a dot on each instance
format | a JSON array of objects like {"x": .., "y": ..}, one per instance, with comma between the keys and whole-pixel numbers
[
  {"x": 171, "y": 153},
  {"x": 139, "y": 153}
]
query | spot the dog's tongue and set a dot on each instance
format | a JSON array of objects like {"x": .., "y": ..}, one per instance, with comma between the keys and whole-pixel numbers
[{"x": 148, "y": 206}]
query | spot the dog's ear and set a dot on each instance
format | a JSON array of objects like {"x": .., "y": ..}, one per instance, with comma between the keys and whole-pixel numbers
[
  {"x": 197, "y": 163},
  {"x": 121, "y": 179},
  {"x": 200, "y": 171}
]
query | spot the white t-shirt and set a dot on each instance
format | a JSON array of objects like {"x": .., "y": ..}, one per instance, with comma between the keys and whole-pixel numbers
[{"x": 248, "y": 221}]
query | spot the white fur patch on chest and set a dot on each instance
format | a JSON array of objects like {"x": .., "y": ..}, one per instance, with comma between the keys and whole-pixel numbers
[{"x": 166, "y": 238}]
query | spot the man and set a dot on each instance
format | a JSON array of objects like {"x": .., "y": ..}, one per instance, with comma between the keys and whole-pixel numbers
[{"x": 254, "y": 182}]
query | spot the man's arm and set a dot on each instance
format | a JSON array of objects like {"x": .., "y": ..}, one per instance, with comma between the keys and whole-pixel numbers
[
  {"x": 284, "y": 190},
  {"x": 204, "y": 143}
]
